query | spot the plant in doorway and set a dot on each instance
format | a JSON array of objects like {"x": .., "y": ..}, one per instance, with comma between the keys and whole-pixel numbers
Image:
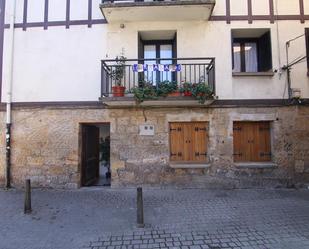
[
  {"x": 117, "y": 75},
  {"x": 105, "y": 154}
]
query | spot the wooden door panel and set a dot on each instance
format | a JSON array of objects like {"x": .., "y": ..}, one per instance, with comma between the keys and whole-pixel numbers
[
  {"x": 91, "y": 155},
  {"x": 176, "y": 142},
  {"x": 200, "y": 141}
]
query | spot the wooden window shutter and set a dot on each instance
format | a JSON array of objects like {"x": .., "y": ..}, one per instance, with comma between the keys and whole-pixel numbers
[
  {"x": 200, "y": 142},
  {"x": 188, "y": 142},
  {"x": 176, "y": 142},
  {"x": 307, "y": 48},
  {"x": 252, "y": 142},
  {"x": 264, "y": 53},
  {"x": 239, "y": 148},
  {"x": 262, "y": 143}
]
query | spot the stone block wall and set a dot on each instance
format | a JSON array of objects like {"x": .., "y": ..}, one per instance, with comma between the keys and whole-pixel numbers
[{"x": 46, "y": 146}]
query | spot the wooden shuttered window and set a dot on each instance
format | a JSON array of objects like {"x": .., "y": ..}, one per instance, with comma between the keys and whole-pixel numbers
[
  {"x": 188, "y": 142},
  {"x": 252, "y": 142},
  {"x": 264, "y": 53},
  {"x": 307, "y": 48}
]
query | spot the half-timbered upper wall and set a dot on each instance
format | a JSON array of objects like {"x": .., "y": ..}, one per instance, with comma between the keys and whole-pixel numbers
[
  {"x": 36, "y": 11},
  {"x": 58, "y": 47},
  {"x": 40, "y": 11},
  {"x": 261, "y": 9}
]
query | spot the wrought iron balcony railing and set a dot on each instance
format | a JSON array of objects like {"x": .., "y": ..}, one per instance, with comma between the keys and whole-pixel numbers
[{"x": 132, "y": 73}]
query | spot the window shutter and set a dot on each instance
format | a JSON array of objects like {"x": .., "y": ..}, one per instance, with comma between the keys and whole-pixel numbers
[
  {"x": 263, "y": 142},
  {"x": 176, "y": 142},
  {"x": 188, "y": 142},
  {"x": 307, "y": 48},
  {"x": 239, "y": 153},
  {"x": 252, "y": 142},
  {"x": 264, "y": 52},
  {"x": 200, "y": 138}
]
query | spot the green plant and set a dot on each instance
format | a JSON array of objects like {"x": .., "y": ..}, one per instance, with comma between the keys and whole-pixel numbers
[
  {"x": 166, "y": 87},
  {"x": 144, "y": 92},
  {"x": 186, "y": 87},
  {"x": 118, "y": 72},
  {"x": 201, "y": 92}
]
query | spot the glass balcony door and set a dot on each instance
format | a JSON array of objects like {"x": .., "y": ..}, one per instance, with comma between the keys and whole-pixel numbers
[{"x": 163, "y": 52}]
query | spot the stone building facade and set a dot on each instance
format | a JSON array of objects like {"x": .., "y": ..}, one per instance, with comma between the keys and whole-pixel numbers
[{"x": 46, "y": 146}]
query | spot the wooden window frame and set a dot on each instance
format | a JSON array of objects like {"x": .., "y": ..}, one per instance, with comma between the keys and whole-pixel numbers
[
  {"x": 242, "y": 42},
  {"x": 260, "y": 63},
  {"x": 307, "y": 48}
]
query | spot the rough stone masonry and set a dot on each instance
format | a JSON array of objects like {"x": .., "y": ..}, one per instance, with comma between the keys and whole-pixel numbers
[{"x": 46, "y": 146}]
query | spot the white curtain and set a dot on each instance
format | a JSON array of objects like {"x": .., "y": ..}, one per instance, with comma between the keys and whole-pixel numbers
[
  {"x": 251, "y": 57},
  {"x": 237, "y": 60}
]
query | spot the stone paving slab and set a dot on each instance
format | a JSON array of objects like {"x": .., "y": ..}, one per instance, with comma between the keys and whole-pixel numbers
[{"x": 175, "y": 218}]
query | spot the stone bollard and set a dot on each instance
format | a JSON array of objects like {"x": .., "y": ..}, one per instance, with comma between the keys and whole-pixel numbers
[
  {"x": 27, "y": 208},
  {"x": 140, "y": 208}
]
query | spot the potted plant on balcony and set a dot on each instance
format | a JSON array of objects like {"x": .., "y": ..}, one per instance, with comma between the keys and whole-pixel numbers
[
  {"x": 186, "y": 89},
  {"x": 168, "y": 88},
  {"x": 117, "y": 75},
  {"x": 146, "y": 91},
  {"x": 202, "y": 92}
]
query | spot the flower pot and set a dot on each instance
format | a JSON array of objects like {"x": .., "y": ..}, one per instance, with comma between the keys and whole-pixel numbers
[
  {"x": 118, "y": 91},
  {"x": 174, "y": 94},
  {"x": 187, "y": 94}
]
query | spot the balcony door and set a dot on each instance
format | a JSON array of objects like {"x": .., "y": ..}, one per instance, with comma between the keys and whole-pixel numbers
[{"x": 157, "y": 52}]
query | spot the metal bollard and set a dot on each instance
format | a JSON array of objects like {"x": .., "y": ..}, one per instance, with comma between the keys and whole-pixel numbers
[
  {"x": 27, "y": 208},
  {"x": 140, "y": 208}
]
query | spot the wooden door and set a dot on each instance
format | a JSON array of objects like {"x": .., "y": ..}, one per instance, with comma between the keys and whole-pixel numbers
[
  {"x": 188, "y": 142},
  {"x": 252, "y": 141},
  {"x": 90, "y": 154}
]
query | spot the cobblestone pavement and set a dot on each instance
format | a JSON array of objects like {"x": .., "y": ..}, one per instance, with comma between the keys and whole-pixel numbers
[{"x": 187, "y": 219}]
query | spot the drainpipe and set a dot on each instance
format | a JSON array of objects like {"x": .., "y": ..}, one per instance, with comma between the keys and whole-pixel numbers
[
  {"x": 9, "y": 98},
  {"x": 288, "y": 68}
]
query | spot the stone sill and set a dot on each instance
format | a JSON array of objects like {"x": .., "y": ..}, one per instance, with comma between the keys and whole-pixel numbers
[
  {"x": 189, "y": 166},
  {"x": 258, "y": 74},
  {"x": 256, "y": 165},
  {"x": 160, "y": 102}
]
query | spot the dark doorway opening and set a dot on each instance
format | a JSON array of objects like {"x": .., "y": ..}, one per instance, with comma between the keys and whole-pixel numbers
[{"x": 95, "y": 155}]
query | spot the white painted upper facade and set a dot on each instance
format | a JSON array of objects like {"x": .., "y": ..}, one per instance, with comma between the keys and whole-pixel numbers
[{"x": 63, "y": 64}]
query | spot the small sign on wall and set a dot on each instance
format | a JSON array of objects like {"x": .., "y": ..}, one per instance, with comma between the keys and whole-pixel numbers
[{"x": 146, "y": 130}]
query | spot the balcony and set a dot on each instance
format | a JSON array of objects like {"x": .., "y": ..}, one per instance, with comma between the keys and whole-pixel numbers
[
  {"x": 119, "y": 11},
  {"x": 158, "y": 81}
]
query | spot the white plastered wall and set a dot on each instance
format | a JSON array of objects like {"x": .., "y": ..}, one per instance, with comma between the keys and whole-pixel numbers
[{"x": 61, "y": 64}]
